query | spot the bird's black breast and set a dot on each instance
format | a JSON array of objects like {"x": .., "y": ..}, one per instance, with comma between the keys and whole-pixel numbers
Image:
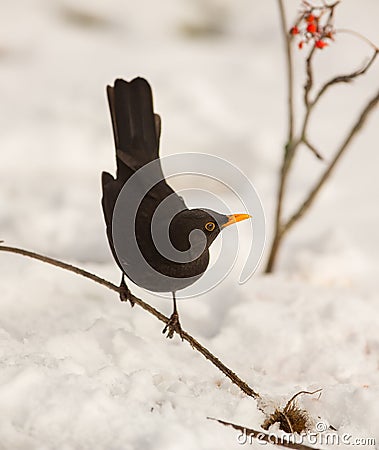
[{"x": 163, "y": 266}]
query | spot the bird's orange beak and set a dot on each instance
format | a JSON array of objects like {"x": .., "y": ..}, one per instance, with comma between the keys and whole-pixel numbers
[{"x": 234, "y": 218}]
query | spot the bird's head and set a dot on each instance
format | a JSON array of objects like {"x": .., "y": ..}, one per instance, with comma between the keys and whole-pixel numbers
[{"x": 209, "y": 222}]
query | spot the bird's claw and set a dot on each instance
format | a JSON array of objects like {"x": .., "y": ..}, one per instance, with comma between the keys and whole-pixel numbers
[
  {"x": 125, "y": 295},
  {"x": 173, "y": 326}
]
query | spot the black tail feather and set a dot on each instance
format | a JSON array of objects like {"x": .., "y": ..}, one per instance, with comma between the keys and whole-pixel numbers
[{"x": 134, "y": 124}]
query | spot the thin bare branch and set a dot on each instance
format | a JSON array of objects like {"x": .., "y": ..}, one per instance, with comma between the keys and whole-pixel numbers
[
  {"x": 283, "y": 441},
  {"x": 358, "y": 35},
  {"x": 327, "y": 32},
  {"x": 289, "y": 66},
  {"x": 185, "y": 336},
  {"x": 310, "y": 104},
  {"x": 312, "y": 148},
  {"x": 290, "y": 148},
  {"x": 294, "y": 397},
  {"x": 309, "y": 83},
  {"x": 324, "y": 177},
  {"x": 348, "y": 78}
]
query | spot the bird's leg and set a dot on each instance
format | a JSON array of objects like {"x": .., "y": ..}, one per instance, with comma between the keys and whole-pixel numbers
[
  {"x": 125, "y": 293},
  {"x": 173, "y": 324}
]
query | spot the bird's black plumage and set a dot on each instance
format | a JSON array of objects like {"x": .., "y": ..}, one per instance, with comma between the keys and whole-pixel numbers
[{"x": 136, "y": 132}]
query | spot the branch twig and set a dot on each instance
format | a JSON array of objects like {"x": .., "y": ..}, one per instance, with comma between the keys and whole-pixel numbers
[
  {"x": 309, "y": 83},
  {"x": 293, "y": 398},
  {"x": 187, "y": 337},
  {"x": 293, "y": 142},
  {"x": 345, "y": 78},
  {"x": 289, "y": 64},
  {"x": 312, "y": 148},
  {"x": 289, "y": 147},
  {"x": 324, "y": 177},
  {"x": 358, "y": 35}
]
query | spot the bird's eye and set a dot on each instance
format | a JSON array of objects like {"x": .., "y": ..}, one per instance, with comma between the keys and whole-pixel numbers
[{"x": 210, "y": 226}]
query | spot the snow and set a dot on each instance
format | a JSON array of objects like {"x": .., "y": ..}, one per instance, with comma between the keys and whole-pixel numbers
[{"x": 79, "y": 369}]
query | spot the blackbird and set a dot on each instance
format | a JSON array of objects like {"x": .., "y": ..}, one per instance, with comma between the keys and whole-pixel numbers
[{"x": 151, "y": 262}]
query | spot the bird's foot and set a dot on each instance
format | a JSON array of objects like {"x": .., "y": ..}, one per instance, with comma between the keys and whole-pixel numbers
[
  {"x": 173, "y": 326},
  {"x": 125, "y": 294}
]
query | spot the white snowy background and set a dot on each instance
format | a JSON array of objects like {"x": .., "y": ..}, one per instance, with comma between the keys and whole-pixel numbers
[{"x": 80, "y": 370}]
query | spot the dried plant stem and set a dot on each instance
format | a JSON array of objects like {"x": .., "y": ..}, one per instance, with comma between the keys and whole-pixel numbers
[
  {"x": 185, "y": 336},
  {"x": 344, "y": 78},
  {"x": 284, "y": 227},
  {"x": 293, "y": 398},
  {"x": 358, "y": 35},
  {"x": 328, "y": 171},
  {"x": 289, "y": 149},
  {"x": 289, "y": 66},
  {"x": 293, "y": 142}
]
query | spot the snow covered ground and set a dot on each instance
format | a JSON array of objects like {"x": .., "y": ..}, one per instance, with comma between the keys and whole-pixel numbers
[{"x": 80, "y": 370}]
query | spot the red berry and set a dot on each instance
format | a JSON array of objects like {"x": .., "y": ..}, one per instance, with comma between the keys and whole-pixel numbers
[
  {"x": 310, "y": 18},
  {"x": 320, "y": 44},
  {"x": 312, "y": 28},
  {"x": 300, "y": 45},
  {"x": 294, "y": 30}
]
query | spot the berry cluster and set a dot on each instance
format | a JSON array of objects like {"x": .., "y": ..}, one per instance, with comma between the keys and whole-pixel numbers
[{"x": 315, "y": 25}]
